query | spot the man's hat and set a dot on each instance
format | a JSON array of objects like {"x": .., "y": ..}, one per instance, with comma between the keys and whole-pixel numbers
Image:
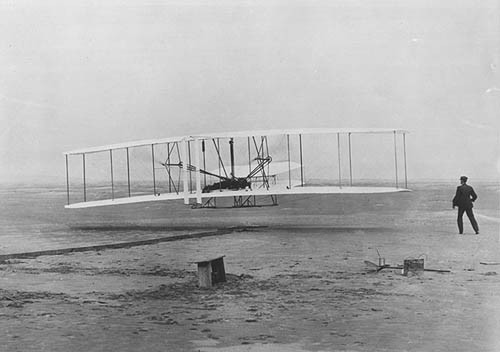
[{"x": 463, "y": 178}]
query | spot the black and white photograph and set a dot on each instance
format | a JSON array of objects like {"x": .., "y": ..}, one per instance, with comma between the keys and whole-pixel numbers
[{"x": 249, "y": 175}]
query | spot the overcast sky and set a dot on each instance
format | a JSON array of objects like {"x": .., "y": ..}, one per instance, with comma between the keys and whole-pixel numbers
[{"x": 82, "y": 73}]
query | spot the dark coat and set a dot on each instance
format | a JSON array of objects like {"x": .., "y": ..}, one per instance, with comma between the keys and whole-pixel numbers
[{"x": 464, "y": 197}]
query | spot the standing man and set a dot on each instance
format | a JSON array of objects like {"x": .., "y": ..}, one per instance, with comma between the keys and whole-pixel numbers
[{"x": 463, "y": 200}]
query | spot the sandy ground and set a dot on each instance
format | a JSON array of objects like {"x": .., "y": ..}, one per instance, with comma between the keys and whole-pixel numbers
[
  {"x": 303, "y": 286},
  {"x": 288, "y": 289}
]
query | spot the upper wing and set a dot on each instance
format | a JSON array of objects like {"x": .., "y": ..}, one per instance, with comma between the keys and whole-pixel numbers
[{"x": 125, "y": 145}]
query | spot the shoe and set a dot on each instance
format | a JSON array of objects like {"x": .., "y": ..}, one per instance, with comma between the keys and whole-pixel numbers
[
  {"x": 460, "y": 233},
  {"x": 477, "y": 232}
]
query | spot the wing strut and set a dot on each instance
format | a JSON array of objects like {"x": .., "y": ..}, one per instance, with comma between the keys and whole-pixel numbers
[
  {"x": 198, "y": 173},
  {"x": 396, "y": 160},
  {"x": 84, "y": 180},
  {"x": 289, "y": 170},
  {"x": 111, "y": 169},
  {"x": 168, "y": 171},
  {"x": 153, "y": 164},
  {"x": 350, "y": 160},
  {"x": 185, "y": 174},
  {"x": 404, "y": 152},
  {"x": 338, "y": 152},
  {"x": 179, "y": 173},
  {"x": 128, "y": 172},
  {"x": 204, "y": 162},
  {"x": 67, "y": 177},
  {"x": 301, "y": 163},
  {"x": 219, "y": 161},
  {"x": 189, "y": 162},
  {"x": 249, "y": 156},
  {"x": 231, "y": 151}
]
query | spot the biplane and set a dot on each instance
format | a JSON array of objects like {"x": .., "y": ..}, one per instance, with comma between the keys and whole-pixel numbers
[{"x": 249, "y": 168}]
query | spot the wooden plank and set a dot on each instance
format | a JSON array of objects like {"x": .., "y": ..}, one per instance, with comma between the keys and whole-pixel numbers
[
  {"x": 219, "y": 272},
  {"x": 206, "y": 260},
  {"x": 205, "y": 274}
]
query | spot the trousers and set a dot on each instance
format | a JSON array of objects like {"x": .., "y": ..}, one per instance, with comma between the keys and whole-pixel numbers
[{"x": 470, "y": 215}]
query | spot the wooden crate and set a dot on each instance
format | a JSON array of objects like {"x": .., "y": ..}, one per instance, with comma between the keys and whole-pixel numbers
[{"x": 211, "y": 271}]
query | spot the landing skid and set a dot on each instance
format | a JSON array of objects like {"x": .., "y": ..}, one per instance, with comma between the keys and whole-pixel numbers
[{"x": 238, "y": 202}]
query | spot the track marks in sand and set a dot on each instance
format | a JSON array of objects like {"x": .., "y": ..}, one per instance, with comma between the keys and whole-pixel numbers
[
  {"x": 247, "y": 309},
  {"x": 36, "y": 268},
  {"x": 246, "y": 306},
  {"x": 17, "y": 299}
]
